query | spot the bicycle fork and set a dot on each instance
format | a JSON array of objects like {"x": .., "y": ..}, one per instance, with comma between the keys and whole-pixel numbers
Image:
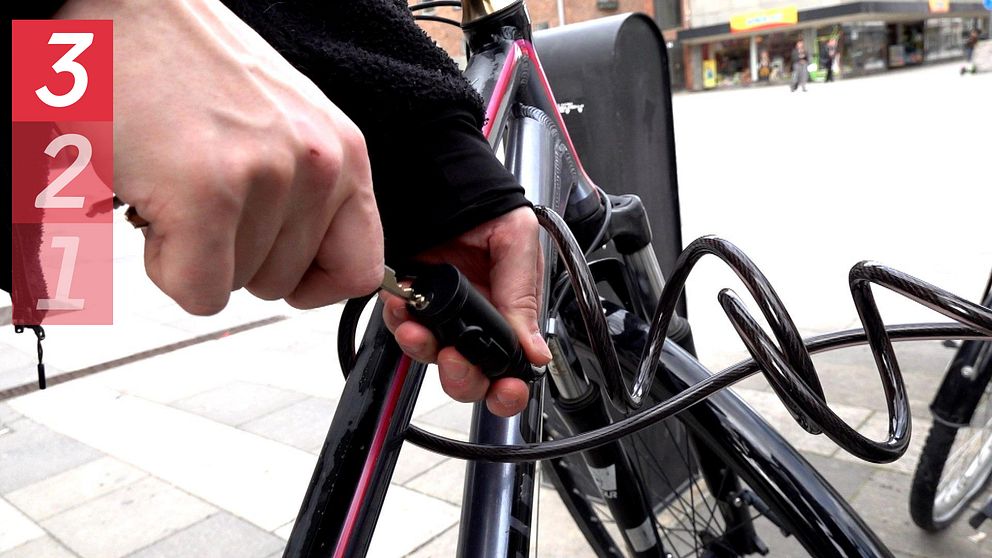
[{"x": 581, "y": 406}]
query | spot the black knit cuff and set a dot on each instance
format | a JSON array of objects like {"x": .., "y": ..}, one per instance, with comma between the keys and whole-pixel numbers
[{"x": 438, "y": 183}]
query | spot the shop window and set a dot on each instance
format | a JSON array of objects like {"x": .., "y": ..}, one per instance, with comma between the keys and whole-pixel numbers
[{"x": 944, "y": 38}]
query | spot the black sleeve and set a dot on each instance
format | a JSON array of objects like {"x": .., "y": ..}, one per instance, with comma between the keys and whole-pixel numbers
[{"x": 434, "y": 173}]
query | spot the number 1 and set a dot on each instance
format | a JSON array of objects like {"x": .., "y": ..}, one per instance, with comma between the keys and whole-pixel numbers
[{"x": 70, "y": 245}]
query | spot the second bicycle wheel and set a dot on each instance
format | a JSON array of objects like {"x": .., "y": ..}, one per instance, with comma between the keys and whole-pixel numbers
[
  {"x": 956, "y": 463},
  {"x": 731, "y": 473}
]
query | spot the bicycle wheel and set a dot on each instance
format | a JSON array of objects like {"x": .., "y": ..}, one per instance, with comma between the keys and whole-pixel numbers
[
  {"x": 734, "y": 485},
  {"x": 956, "y": 462}
]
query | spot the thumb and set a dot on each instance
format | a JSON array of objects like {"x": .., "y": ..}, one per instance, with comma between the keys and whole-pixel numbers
[{"x": 516, "y": 279}]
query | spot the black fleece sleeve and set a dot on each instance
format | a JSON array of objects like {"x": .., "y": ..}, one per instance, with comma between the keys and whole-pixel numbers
[{"x": 435, "y": 175}]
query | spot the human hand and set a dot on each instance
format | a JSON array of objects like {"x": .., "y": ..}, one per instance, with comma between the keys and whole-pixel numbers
[
  {"x": 503, "y": 259},
  {"x": 248, "y": 175}
]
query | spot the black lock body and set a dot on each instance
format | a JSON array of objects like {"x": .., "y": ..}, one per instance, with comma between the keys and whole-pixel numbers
[{"x": 459, "y": 316}]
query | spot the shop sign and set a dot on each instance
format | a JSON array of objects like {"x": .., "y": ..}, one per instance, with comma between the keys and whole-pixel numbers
[
  {"x": 764, "y": 19},
  {"x": 709, "y": 74},
  {"x": 940, "y": 6}
]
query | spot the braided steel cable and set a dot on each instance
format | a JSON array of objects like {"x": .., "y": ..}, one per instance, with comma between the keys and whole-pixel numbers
[{"x": 787, "y": 365}]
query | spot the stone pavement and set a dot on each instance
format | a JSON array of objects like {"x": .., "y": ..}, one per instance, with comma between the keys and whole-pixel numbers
[{"x": 206, "y": 450}]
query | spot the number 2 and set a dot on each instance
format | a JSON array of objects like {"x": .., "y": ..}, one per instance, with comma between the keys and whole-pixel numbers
[
  {"x": 48, "y": 198},
  {"x": 80, "y": 42}
]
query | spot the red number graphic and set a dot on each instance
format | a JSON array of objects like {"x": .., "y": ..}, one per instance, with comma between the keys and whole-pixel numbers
[{"x": 62, "y": 121}]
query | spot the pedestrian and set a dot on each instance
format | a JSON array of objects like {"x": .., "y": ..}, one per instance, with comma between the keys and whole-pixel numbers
[
  {"x": 764, "y": 67},
  {"x": 969, "y": 52},
  {"x": 830, "y": 55},
  {"x": 800, "y": 61}
]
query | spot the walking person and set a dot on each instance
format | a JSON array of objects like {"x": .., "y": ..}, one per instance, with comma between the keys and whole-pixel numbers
[
  {"x": 830, "y": 54},
  {"x": 969, "y": 52},
  {"x": 800, "y": 61}
]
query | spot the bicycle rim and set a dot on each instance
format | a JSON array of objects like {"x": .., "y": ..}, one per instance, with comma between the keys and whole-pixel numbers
[
  {"x": 738, "y": 489},
  {"x": 969, "y": 461},
  {"x": 690, "y": 520}
]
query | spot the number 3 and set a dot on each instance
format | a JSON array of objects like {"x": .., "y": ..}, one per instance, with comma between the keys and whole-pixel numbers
[{"x": 80, "y": 42}]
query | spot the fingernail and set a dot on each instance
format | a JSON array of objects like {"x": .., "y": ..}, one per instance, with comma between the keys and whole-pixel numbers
[
  {"x": 455, "y": 369},
  {"x": 507, "y": 400},
  {"x": 541, "y": 345}
]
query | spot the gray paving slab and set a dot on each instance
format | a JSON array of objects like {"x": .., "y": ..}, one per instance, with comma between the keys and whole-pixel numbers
[
  {"x": 237, "y": 403},
  {"x": 849, "y": 375},
  {"x": 847, "y": 478},
  {"x": 127, "y": 519},
  {"x": 44, "y": 547},
  {"x": 413, "y": 462},
  {"x": 219, "y": 536},
  {"x": 71, "y": 488},
  {"x": 302, "y": 424},
  {"x": 884, "y": 503},
  {"x": 445, "y": 544},
  {"x": 7, "y": 414},
  {"x": 452, "y": 415},
  {"x": 446, "y": 481},
  {"x": 39, "y": 453}
]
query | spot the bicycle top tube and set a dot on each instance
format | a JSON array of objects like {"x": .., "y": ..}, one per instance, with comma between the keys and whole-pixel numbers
[{"x": 505, "y": 70}]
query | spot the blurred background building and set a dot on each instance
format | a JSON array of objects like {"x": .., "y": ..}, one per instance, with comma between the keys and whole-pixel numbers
[{"x": 725, "y": 43}]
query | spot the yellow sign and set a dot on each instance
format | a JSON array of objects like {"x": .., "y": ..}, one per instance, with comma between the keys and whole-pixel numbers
[
  {"x": 775, "y": 17},
  {"x": 940, "y": 6},
  {"x": 709, "y": 74}
]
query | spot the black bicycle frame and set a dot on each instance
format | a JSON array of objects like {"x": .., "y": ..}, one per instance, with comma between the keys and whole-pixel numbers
[{"x": 341, "y": 505}]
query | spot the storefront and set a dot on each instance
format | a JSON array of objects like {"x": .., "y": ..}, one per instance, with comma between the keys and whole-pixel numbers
[{"x": 864, "y": 37}]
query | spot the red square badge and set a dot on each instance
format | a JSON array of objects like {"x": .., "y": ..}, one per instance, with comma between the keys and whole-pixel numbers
[
  {"x": 62, "y": 70},
  {"x": 54, "y": 178},
  {"x": 63, "y": 274}
]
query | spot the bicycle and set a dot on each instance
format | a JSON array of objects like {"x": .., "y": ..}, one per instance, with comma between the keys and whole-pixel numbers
[
  {"x": 727, "y": 470},
  {"x": 956, "y": 460}
]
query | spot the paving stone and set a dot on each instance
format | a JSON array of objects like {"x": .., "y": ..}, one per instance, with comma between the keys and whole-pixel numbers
[
  {"x": 15, "y": 528},
  {"x": 238, "y": 402},
  {"x": 39, "y": 453},
  {"x": 44, "y": 547},
  {"x": 884, "y": 504},
  {"x": 557, "y": 533},
  {"x": 285, "y": 531},
  {"x": 452, "y": 415},
  {"x": 61, "y": 492},
  {"x": 127, "y": 519},
  {"x": 218, "y": 536},
  {"x": 848, "y": 478},
  {"x": 252, "y": 477},
  {"x": 166, "y": 378},
  {"x": 302, "y": 425},
  {"x": 876, "y": 428},
  {"x": 408, "y": 519},
  {"x": 768, "y": 405},
  {"x": 445, "y": 481},
  {"x": 8, "y": 415},
  {"x": 414, "y": 461},
  {"x": 445, "y": 544}
]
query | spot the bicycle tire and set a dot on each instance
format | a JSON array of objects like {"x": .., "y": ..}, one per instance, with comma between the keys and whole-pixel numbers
[
  {"x": 724, "y": 429},
  {"x": 940, "y": 494}
]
